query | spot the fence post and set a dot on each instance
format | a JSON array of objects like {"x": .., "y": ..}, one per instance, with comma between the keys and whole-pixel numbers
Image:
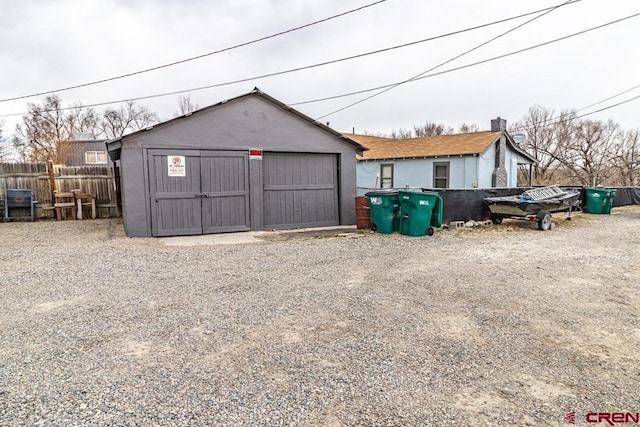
[{"x": 52, "y": 185}]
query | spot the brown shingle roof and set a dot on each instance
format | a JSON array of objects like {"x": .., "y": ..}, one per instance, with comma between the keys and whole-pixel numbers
[{"x": 429, "y": 146}]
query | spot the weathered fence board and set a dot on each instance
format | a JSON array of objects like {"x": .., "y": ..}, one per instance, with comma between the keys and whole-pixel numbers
[{"x": 42, "y": 181}]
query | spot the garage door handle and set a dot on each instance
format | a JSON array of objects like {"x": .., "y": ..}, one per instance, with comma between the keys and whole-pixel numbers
[{"x": 202, "y": 195}]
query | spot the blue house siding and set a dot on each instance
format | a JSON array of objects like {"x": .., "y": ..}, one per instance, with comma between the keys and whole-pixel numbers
[
  {"x": 470, "y": 172},
  {"x": 418, "y": 173},
  {"x": 512, "y": 160},
  {"x": 484, "y": 159},
  {"x": 486, "y": 164}
]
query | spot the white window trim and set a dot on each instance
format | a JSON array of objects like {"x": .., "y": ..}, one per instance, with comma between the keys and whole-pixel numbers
[{"x": 97, "y": 155}]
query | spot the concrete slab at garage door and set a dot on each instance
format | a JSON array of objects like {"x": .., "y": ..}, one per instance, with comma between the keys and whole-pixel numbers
[
  {"x": 212, "y": 197},
  {"x": 300, "y": 190}
]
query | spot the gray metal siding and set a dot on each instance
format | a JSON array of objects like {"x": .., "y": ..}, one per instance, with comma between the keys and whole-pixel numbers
[
  {"x": 300, "y": 190},
  {"x": 75, "y": 157}
]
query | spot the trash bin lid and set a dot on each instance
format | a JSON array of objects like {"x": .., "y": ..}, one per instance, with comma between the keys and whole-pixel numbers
[{"x": 383, "y": 192}]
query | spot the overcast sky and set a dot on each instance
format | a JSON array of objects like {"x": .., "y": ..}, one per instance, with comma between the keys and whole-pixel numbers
[{"x": 48, "y": 45}]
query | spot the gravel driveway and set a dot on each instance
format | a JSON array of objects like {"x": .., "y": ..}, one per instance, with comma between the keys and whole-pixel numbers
[{"x": 502, "y": 325}]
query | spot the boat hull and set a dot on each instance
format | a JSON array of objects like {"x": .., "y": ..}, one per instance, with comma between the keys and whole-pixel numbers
[{"x": 516, "y": 206}]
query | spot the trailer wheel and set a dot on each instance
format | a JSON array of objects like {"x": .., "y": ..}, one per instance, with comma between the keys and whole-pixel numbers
[
  {"x": 430, "y": 231},
  {"x": 544, "y": 220},
  {"x": 496, "y": 219}
]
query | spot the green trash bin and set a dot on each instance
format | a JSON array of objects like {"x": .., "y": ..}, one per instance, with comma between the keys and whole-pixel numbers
[
  {"x": 598, "y": 200},
  {"x": 383, "y": 205},
  {"x": 609, "y": 203},
  {"x": 437, "y": 213},
  {"x": 420, "y": 212}
]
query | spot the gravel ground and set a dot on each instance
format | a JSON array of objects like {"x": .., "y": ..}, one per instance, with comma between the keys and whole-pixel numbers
[{"x": 502, "y": 325}]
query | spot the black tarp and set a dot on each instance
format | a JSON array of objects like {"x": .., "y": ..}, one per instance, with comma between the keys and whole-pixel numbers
[
  {"x": 626, "y": 196},
  {"x": 466, "y": 205}
]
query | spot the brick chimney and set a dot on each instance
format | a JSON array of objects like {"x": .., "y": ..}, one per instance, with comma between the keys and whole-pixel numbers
[
  {"x": 498, "y": 125},
  {"x": 499, "y": 175}
]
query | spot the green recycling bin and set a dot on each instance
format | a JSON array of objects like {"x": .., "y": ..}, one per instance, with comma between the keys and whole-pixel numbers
[
  {"x": 598, "y": 200},
  {"x": 383, "y": 205},
  {"x": 420, "y": 212}
]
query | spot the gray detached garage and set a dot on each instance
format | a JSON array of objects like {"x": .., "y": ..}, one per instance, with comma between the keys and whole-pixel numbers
[{"x": 249, "y": 163}]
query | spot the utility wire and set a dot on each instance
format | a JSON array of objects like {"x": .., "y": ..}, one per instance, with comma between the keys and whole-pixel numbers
[
  {"x": 473, "y": 64},
  {"x": 351, "y": 93},
  {"x": 323, "y": 63},
  {"x": 445, "y": 62},
  {"x": 193, "y": 58},
  {"x": 609, "y": 98},
  {"x": 551, "y": 121},
  {"x": 495, "y": 58},
  {"x": 557, "y": 122}
]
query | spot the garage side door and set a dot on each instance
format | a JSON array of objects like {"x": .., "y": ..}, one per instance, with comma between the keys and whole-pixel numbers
[
  {"x": 300, "y": 190},
  {"x": 225, "y": 191},
  {"x": 175, "y": 205}
]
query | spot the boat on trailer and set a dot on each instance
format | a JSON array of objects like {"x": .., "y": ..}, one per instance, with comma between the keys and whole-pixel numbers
[{"x": 534, "y": 205}]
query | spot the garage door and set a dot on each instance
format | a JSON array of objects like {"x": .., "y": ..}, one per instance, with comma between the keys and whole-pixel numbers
[
  {"x": 300, "y": 190},
  {"x": 196, "y": 192}
]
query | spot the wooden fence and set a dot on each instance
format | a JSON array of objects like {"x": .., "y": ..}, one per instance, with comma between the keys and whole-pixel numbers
[{"x": 45, "y": 179}]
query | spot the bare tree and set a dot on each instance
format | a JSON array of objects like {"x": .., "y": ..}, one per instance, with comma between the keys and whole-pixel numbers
[
  {"x": 47, "y": 130},
  {"x": 185, "y": 106},
  {"x": 547, "y": 134},
  {"x": 626, "y": 158},
  {"x": 128, "y": 118},
  {"x": 587, "y": 154},
  {"x": 4, "y": 145},
  {"x": 468, "y": 128},
  {"x": 431, "y": 129},
  {"x": 401, "y": 134}
]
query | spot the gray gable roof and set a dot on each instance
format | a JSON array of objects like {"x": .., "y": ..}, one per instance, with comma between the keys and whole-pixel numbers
[{"x": 114, "y": 146}]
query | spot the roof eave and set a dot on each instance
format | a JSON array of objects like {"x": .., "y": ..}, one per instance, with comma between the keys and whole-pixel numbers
[
  {"x": 519, "y": 150},
  {"x": 437, "y": 156},
  {"x": 359, "y": 148},
  {"x": 114, "y": 148}
]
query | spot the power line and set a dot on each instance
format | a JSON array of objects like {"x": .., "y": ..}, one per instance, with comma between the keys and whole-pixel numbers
[
  {"x": 193, "y": 58},
  {"x": 609, "y": 98},
  {"x": 495, "y": 58},
  {"x": 353, "y": 57},
  {"x": 473, "y": 64},
  {"x": 525, "y": 128},
  {"x": 551, "y": 121},
  {"x": 445, "y": 62}
]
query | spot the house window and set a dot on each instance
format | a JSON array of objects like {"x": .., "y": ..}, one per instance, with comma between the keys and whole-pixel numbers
[
  {"x": 441, "y": 175},
  {"x": 95, "y": 157},
  {"x": 386, "y": 176}
]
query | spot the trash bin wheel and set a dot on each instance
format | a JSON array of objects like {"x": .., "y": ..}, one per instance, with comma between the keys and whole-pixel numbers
[
  {"x": 374, "y": 228},
  {"x": 496, "y": 219},
  {"x": 430, "y": 231},
  {"x": 544, "y": 220},
  {"x": 6, "y": 219}
]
